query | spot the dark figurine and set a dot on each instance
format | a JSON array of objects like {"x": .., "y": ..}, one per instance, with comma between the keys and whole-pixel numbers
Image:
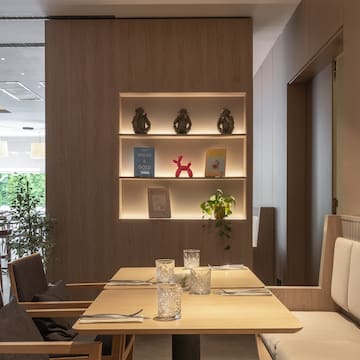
[
  {"x": 182, "y": 123},
  {"x": 141, "y": 124},
  {"x": 225, "y": 123}
]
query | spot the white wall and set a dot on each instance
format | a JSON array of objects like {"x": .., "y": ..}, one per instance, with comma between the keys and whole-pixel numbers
[{"x": 321, "y": 165}]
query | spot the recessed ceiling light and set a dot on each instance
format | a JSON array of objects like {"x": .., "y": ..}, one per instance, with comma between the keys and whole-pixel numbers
[
  {"x": 2, "y": 59},
  {"x": 18, "y": 91},
  {"x": 22, "y": 74}
]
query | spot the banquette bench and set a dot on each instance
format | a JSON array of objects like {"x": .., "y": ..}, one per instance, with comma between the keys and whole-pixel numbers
[{"x": 329, "y": 312}]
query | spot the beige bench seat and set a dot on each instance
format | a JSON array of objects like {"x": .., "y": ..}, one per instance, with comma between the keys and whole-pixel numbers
[{"x": 325, "y": 335}]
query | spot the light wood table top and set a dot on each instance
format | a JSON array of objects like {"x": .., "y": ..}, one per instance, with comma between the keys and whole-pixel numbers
[
  {"x": 244, "y": 278},
  {"x": 201, "y": 314}
]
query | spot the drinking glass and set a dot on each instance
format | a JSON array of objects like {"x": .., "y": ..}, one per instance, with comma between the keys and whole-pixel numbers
[
  {"x": 191, "y": 258},
  {"x": 164, "y": 270},
  {"x": 169, "y": 301},
  {"x": 200, "y": 280}
]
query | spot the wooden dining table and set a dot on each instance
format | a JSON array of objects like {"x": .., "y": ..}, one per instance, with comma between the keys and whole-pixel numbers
[{"x": 200, "y": 314}]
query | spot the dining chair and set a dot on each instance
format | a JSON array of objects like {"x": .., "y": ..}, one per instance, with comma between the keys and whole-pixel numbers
[
  {"x": 30, "y": 287},
  {"x": 21, "y": 340}
]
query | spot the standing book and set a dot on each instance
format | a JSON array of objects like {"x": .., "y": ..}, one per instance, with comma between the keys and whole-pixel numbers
[
  {"x": 215, "y": 163},
  {"x": 144, "y": 161}
]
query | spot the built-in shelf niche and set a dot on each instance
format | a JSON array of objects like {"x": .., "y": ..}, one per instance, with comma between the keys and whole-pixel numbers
[{"x": 186, "y": 194}]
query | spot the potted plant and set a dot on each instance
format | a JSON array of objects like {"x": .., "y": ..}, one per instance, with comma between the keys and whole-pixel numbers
[
  {"x": 31, "y": 227},
  {"x": 219, "y": 207}
]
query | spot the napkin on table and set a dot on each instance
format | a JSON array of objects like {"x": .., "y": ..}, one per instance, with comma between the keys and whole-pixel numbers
[
  {"x": 111, "y": 320},
  {"x": 228, "y": 267},
  {"x": 246, "y": 292}
]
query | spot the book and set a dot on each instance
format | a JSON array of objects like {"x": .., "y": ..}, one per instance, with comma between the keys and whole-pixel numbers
[
  {"x": 144, "y": 161},
  {"x": 215, "y": 163},
  {"x": 159, "y": 203}
]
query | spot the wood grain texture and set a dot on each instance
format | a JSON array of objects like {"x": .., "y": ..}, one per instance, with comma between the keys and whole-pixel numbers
[
  {"x": 264, "y": 253},
  {"x": 87, "y": 64},
  {"x": 297, "y": 185},
  {"x": 320, "y": 31},
  {"x": 263, "y": 353},
  {"x": 350, "y": 174},
  {"x": 219, "y": 278},
  {"x": 233, "y": 315},
  {"x": 92, "y": 349}
]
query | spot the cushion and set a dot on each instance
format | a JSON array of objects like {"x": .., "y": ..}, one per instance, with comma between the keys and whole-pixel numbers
[
  {"x": 354, "y": 281},
  {"x": 30, "y": 276},
  {"x": 60, "y": 329},
  {"x": 340, "y": 273},
  {"x": 52, "y": 329},
  {"x": 325, "y": 335},
  {"x": 16, "y": 325}
]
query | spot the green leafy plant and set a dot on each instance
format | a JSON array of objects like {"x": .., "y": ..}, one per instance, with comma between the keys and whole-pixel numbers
[
  {"x": 31, "y": 227},
  {"x": 219, "y": 207}
]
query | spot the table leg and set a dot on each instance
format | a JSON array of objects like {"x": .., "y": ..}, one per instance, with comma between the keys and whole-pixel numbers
[{"x": 186, "y": 347}]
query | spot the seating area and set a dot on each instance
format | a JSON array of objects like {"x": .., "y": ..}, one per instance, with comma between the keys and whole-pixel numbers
[
  {"x": 329, "y": 313},
  {"x": 53, "y": 308},
  {"x": 19, "y": 336},
  {"x": 331, "y": 320},
  {"x": 179, "y": 180}
]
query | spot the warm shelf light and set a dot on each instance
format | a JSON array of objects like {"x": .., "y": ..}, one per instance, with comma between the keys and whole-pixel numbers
[
  {"x": 37, "y": 150},
  {"x": 4, "y": 148}
]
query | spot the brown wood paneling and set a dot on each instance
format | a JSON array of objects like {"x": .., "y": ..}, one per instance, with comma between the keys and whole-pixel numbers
[
  {"x": 320, "y": 27},
  {"x": 264, "y": 253},
  {"x": 350, "y": 201},
  {"x": 87, "y": 64},
  {"x": 297, "y": 185}
]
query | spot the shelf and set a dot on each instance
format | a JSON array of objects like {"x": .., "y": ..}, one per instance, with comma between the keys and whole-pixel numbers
[
  {"x": 165, "y": 136},
  {"x": 168, "y": 178},
  {"x": 184, "y": 200},
  {"x": 186, "y": 194},
  {"x": 178, "y": 95},
  {"x": 162, "y": 109}
]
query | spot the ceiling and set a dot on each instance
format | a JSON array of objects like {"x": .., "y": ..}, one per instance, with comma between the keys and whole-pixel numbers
[{"x": 24, "y": 63}]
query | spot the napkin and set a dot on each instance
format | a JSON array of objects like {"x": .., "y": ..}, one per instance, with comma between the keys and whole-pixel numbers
[
  {"x": 111, "y": 320},
  {"x": 228, "y": 267},
  {"x": 246, "y": 292},
  {"x": 128, "y": 283}
]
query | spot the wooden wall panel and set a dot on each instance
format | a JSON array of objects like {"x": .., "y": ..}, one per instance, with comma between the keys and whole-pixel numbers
[
  {"x": 88, "y": 62},
  {"x": 297, "y": 185},
  {"x": 320, "y": 27},
  {"x": 350, "y": 202}
]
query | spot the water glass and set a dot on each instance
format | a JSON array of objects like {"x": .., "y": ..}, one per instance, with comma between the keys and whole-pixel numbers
[
  {"x": 169, "y": 301},
  {"x": 165, "y": 270},
  {"x": 191, "y": 258},
  {"x": 200, "y": 280}
]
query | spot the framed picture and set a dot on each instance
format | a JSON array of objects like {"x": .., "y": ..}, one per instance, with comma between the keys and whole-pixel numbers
[
  {"x": 215, "y": 163},
  {"x": 159, "y": 203}
]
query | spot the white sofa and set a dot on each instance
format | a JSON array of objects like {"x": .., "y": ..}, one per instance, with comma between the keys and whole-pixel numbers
[{"x": 331, "y": 320}]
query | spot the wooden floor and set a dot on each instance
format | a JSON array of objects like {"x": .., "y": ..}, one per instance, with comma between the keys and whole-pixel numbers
[{"x": 213, "y": 347}]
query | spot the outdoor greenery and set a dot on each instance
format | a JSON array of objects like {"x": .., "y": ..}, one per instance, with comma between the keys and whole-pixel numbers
[
  {"x": 30, "y": 225},
  {"x": 219, "y": 207},
  {"x": 8, "y": 184}
]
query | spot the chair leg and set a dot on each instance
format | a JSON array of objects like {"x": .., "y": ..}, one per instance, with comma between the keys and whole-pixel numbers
[
  {"x": 118, "y": 344},
  {"x": 122, "y": 347},
  {"x": 129, "y": 350},
  {"x": 262, "y": 350}
]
